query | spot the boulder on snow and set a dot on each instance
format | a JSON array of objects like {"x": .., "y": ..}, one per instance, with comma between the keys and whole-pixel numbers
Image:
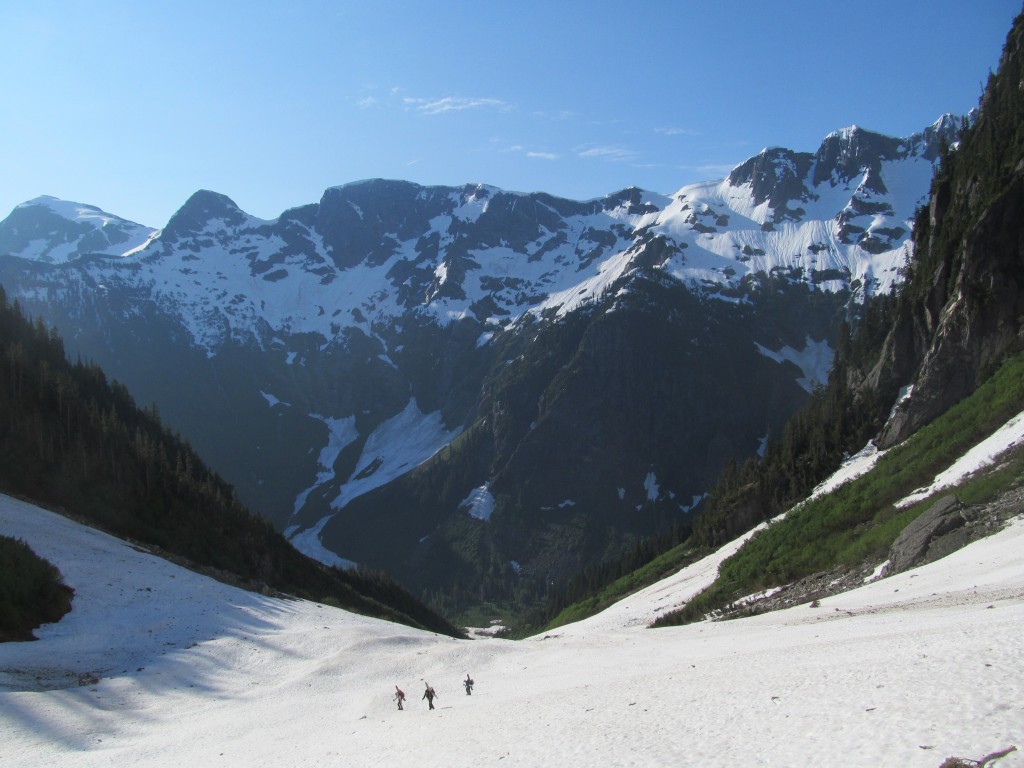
[{"x": 912, "y": 546}]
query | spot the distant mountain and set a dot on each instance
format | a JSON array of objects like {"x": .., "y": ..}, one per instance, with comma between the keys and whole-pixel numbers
[
  {"x": 467, "y": 383},
  {"x": 480, "y": 252},
  {"x": 56, "y": 231}
]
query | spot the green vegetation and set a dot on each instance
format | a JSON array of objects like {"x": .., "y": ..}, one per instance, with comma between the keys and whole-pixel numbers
[
  {"x": 660, "y": 567},
  {"x": 72, "y": 441},
  {"x": 836, "y": 421},
  {"x": 31, "y": 591},
  {"x": 602, "y": 584},
  {"x": 858, "y": 521}
]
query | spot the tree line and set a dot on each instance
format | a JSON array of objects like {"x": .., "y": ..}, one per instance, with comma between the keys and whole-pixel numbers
[{"x": 75, "y": 442}]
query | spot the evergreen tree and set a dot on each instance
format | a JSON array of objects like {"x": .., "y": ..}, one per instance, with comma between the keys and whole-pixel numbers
[{"x": 72, "y": 441}]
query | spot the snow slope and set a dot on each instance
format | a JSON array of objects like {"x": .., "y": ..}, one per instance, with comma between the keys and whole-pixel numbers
[{"x": 159, "y": 666}]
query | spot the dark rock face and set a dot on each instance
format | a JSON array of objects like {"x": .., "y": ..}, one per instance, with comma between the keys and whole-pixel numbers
[
  {"x": 966, "y": 311},
  {"x": 979, "y": 324},
  {"x": 948, "y": 525},
  {"x": 847, "y": 154},
  {"x": 912, "y": 546},
  {"x": 198, "y": 211},
  {"x": 777, "y": 176},
  {"x": 360, "y": 222}
]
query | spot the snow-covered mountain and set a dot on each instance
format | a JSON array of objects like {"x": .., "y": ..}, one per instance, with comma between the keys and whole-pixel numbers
[
  {"x": 55, "y": 231},
  {"x": 320, "y": 359},
  {"x": 370, "y": 251}
]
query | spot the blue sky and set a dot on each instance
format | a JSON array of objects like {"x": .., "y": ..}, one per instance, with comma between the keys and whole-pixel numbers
[{"x": 132, "y": 106}]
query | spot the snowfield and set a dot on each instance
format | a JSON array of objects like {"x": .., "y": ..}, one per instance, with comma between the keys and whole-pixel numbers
[{"x": 159, "y": 666}]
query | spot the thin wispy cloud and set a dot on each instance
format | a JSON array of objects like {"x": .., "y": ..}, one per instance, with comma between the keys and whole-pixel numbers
[
  {"x": 367, "y": 102},
  {"x": 673, "y": 131},
  {"x": 605, "y": 152},
  {"x": 531, "y": 153},
  {"x": 453, "y": 104}
]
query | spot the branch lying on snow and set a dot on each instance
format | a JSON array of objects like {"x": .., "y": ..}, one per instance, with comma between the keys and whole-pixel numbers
[{"x": 960, "y": 762}]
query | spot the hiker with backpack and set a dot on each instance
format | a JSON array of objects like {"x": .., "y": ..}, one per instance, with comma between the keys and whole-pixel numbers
[
  {"x": 399, "y": 696},
  {"x": 468, "y": 683},
  {"x": 429, "y": 694}
]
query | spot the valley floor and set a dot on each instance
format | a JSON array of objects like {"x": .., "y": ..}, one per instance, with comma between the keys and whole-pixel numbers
[{"x": 159, "y": 666}]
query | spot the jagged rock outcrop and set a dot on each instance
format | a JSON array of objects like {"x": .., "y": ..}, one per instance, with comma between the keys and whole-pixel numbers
[
  {"x": 193, "y": 219},
  {"x": 979, "y": 325},
  {"x": 912, "y": 545}
]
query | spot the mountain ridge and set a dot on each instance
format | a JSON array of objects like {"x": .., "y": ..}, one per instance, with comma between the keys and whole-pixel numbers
[{"x": 389, "y": 308}]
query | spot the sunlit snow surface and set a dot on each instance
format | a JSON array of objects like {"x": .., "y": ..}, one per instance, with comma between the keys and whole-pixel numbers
[
  {"x": 395, "y": 447},
  {"x": 986, "y": 452},
  {"x": 177, "y": 669}
]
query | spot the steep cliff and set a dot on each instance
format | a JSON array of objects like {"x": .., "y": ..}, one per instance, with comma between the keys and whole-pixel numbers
[{"x": 962, "y": 307}]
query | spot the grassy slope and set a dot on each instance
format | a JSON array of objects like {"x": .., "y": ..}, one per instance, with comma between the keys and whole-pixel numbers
[
  {"x": 660, "y": 567},
  {"x": 858, "y": 522}
]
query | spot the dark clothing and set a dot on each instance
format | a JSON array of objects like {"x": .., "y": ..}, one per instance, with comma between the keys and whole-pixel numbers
[{"x": 429, "y": 695}]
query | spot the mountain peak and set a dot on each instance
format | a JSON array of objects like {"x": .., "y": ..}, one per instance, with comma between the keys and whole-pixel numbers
[
  {"x": 947, "y": 121},
  {"x": 201, "y": 208},
  {"x": 849, "y": 133},
  {"x": 215, "y": 203},
  {"x": 69, "y": 210},
  {"x": 384, "y": 322},
  {"x": 55, "y": 231},
  {"x": 634, "y": 201},
  {"x": 775, "y": 175}
]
